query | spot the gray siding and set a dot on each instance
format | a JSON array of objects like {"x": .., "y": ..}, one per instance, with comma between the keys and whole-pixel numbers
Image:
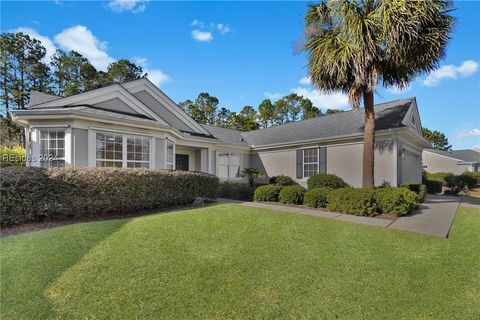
[
  {"x": 80, "y": 147},
  {"x": 437, "y": 163},
  {"x": 343, "y": 160}
]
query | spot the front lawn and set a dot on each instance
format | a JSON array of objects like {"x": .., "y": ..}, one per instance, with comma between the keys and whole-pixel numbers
[{"x": 229, "y": 261}]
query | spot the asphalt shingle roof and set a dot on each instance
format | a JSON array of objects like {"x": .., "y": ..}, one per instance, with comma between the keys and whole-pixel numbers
[
  {"x": 227, "y": 136},
  {"x": 466, "y": 155}
]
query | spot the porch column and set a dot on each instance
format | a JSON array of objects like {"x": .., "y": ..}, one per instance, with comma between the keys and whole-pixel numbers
[{"x": 204, "y": 160}]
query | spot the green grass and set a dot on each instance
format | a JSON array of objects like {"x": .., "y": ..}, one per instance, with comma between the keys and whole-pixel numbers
[{"x": 229, "y": 261}]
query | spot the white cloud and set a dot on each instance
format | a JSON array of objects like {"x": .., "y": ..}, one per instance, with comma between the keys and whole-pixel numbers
[
  {"x": 321, "y": 100},
  {"x": 80, "y": 39},
  {"x": 273, "y": 95},
  {"x": 397, "y": 90},
  {"x": 46, "y": 42},
  {"x": 202, "y": 36},
  {"x": 134, "y": 6},
  {"x": 305, "y": 80},
  {"x": 223, "y": 28},
  {"x": 475, "y": 132},
  {"x": 450, "y": 71},
  {"x": 157, "y": 76},
  {"x": 197, "y": 23}
]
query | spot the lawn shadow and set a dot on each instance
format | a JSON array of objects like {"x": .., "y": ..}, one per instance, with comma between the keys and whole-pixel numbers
[{"x": 22, "y": 293}]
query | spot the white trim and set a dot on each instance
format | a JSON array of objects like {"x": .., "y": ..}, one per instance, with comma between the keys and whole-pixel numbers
[
  {"x": 68, "y": 148},
  {"x": 167, "y": 141},
  {"x": 53, "y": 126}
]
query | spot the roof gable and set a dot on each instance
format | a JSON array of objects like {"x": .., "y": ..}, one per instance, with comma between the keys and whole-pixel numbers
[
  {"x": 163, "y": 105},
  {"x": 106, "y": 98}
]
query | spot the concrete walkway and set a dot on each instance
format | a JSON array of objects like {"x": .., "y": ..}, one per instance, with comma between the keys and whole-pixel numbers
[{"x": 433, "y": 217}]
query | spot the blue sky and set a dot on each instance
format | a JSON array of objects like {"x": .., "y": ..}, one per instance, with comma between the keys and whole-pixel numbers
[{"x": 243, "y": 52}]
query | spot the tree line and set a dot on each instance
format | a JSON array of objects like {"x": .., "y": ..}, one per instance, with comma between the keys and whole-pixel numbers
[
  {"x": 205, "y": 109},
  {"x": 23, "y": 68}
]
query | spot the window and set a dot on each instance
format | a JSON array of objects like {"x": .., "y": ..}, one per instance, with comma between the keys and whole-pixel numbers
[
  {"x": 310, "y": 162},
  {"x": 120, "y": 151},
  {"x": 109, "y": 150},
  {"x": 138, "y": 152},
  {"x": 52, "y": 148},
  {"x": 228, "y": 164},
  {"x": 170, "y": 155}
]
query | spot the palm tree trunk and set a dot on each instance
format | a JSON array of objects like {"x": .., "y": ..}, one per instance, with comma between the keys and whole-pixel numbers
[{"x": 368, "y": 142}]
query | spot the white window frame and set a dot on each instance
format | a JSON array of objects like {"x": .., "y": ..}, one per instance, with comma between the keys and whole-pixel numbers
[
  {"x": 228, "y": 165},
  {"x": 124, "y": 160},
  {"x": 43, "y": 158},
  {"x": 169, "y": 165},
  {"x": 309, "y": 163}
]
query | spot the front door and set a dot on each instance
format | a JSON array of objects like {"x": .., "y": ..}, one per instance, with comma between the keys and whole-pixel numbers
[{"x": 181, "y": 162}]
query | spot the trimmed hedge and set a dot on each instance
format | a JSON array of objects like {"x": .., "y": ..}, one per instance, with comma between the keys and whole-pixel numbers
[
  {"x": 325, "y": 180},
  {"x": 266, "y": 193},
  {"x": 360, "y": 202},
  {"x": 419, "y": 189},
  {"x": 282, "y": 181},
  {"x": 476, "y": 175},
  {"x": 235, "y": 190},
  {"x": 292, "y": 194},
  {"x": 316, "y": 198},
  {"x": 35, "y": 194},
  {"x": 434, "y": 186},
  {"x": 397, "y": 201}
]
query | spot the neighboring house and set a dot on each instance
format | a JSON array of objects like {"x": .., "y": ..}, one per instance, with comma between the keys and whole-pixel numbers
[
  {"x": 455, "y": 162},
  {"x": 137, "y": 125}
]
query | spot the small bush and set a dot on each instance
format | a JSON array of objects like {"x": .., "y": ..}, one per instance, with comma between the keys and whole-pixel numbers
[
  {"x": 292, "y": 194},
  {"x": 476, "y": 175},
  {"x": 419, "y": 189},
  {"x": 235, "y": 190},
  {"x": 434, "y": 186},
  {"x": 360, "y": 202},
  {"x": 12, "y": 156},
  {"x": 266, "y": 193},
  {"x": 316, "y": 198},
  {"x": 462, "y": 182},
  {"x": 438, "y": 176},
  {"x": 282, "y": 181},
  {"x": 35, "y": 194},
  {"x": 398, "y": 201},
  {"x": 325, "y": 180}
]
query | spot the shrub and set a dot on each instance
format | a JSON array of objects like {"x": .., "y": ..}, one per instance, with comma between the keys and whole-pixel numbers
[
  {"x": 398, "y": 201},
  {"x": 266, "y": 193},
  {"x": 419, "y": 189},
  {"x": 438, "y": 176},
  {"x": 360, "y": 202},
  {"x": 235, "y": 190},
  {"x": 35, "y": 194},
  {"x": 12, "y": 156},
  {"x": 292, "y": 194},
  {"x": 476, "y": 175},
  {"x": 325, "y": 180},
  {"x": 282, "y": 181},
  {"x": 434, "y": 186},
  {"x": 461, "y": 182},
  {"x": 251, "y": 174},
  {"x": 316, "y": 198}
]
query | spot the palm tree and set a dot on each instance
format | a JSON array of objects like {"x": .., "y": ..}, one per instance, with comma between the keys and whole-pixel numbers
[{"x": 353, "y": 45}]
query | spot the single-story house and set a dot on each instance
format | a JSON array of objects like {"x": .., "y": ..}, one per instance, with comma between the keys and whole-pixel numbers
[
  {"x": 456, "y": 162},
  {"x": 136, "y": 125}
]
